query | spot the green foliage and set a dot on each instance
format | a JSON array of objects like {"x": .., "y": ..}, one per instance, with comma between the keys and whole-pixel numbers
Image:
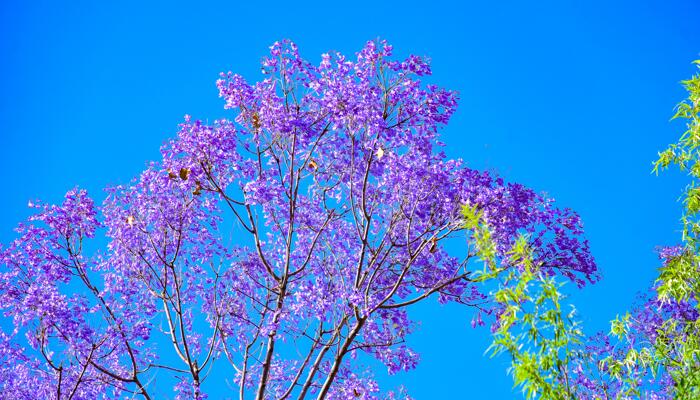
[
  {"x": 685, "y": 154},
  {"x": 481, "y": 235},
  {"x": 532, "y": 328},
  {"x": 678, "y": 278},
  {"x": 678, "y": 345}
]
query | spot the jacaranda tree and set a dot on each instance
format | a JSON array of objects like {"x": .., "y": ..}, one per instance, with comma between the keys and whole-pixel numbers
[{"x": 276, "y": 251}]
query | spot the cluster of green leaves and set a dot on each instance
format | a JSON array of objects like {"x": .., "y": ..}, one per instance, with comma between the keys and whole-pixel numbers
[
  {"x": 532, "y": 327},
  {"x": 679, "y": 279}
]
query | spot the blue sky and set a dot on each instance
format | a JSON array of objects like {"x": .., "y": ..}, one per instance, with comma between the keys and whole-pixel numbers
[{"x": 568, "y": 97}]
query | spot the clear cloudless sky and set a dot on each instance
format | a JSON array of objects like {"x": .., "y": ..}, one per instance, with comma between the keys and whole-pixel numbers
[{"x": 572, "y": 98}]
